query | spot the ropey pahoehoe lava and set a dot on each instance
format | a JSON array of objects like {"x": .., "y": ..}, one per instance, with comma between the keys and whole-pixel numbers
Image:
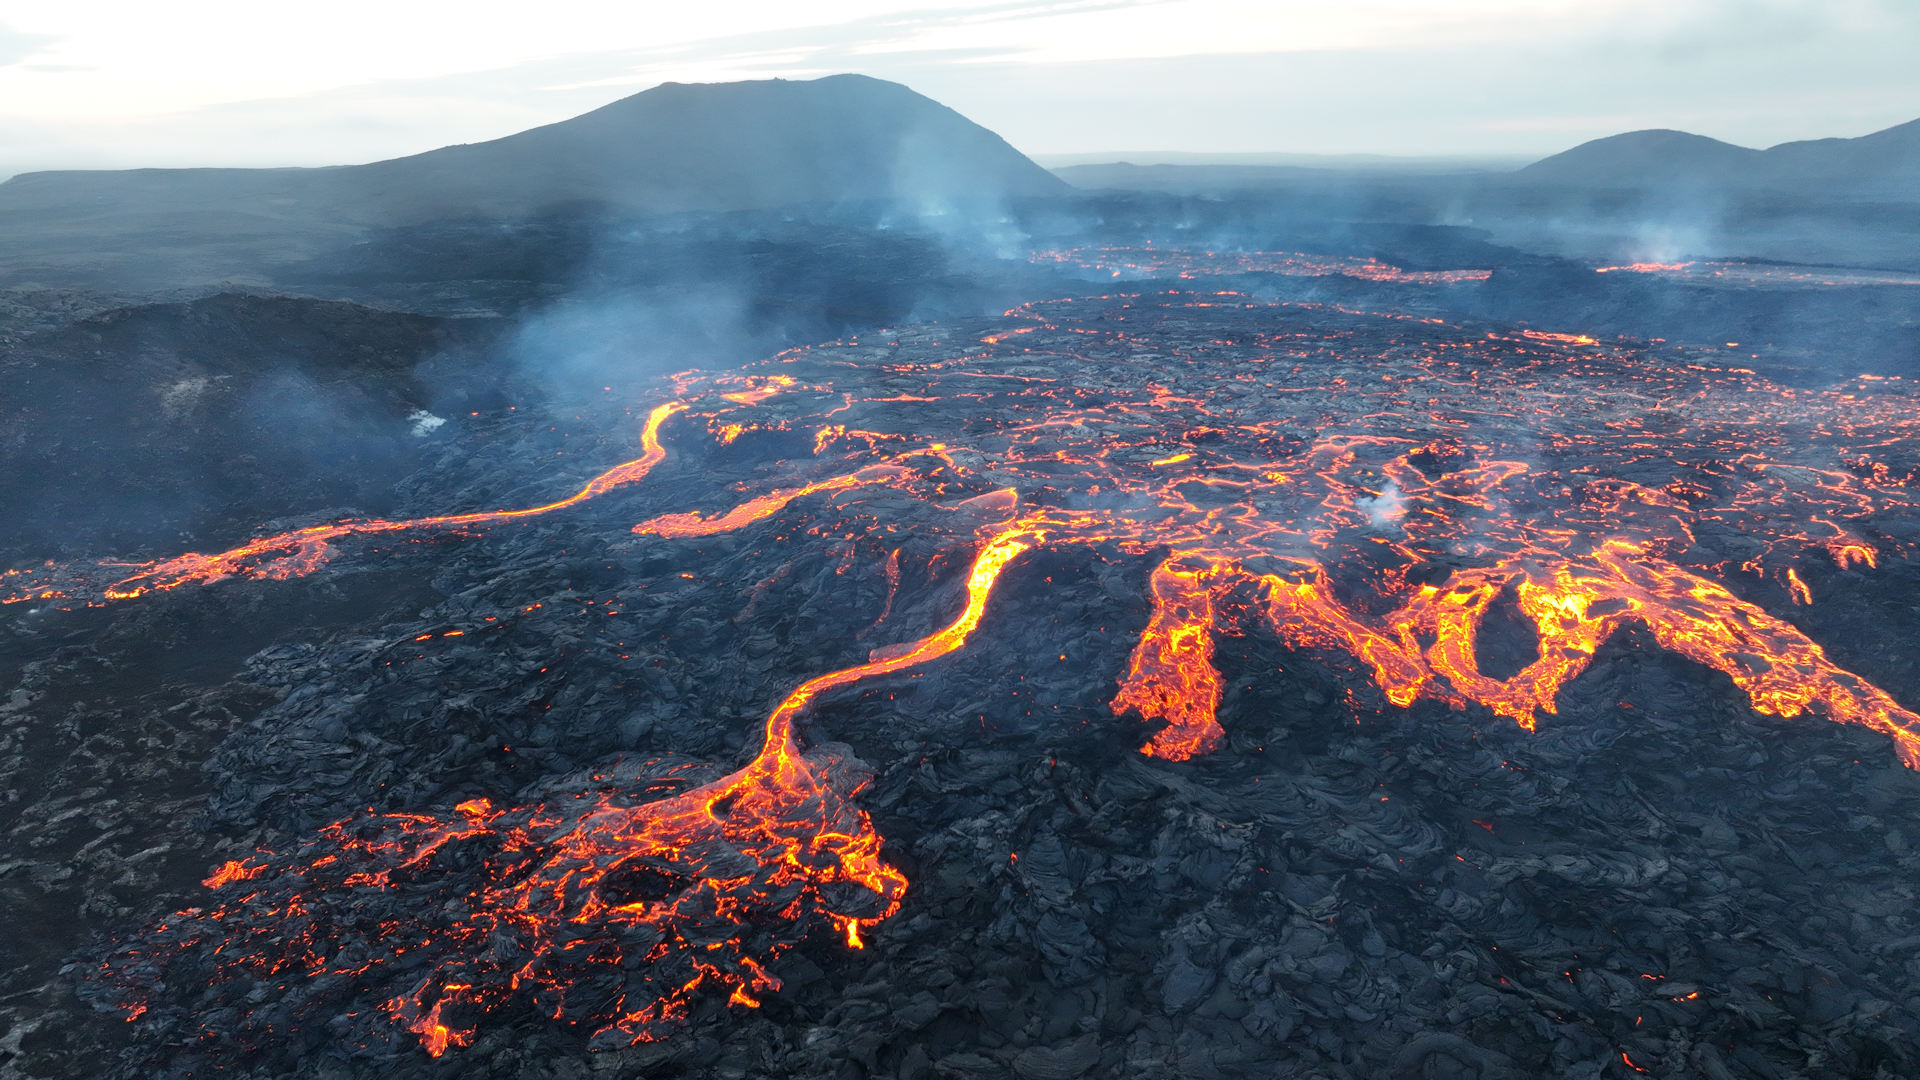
[{"x": 1368, "y": 488}]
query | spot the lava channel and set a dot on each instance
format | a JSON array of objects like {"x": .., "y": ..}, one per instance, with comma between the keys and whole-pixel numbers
[{"x": 1366, "y": 486}]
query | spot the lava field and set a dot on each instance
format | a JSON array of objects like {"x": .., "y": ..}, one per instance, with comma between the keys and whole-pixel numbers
[{"x": 1172, "y": 683}]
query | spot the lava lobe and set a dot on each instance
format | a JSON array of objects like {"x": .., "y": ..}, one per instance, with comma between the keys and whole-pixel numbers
[{"x": 1363, "y": 487}]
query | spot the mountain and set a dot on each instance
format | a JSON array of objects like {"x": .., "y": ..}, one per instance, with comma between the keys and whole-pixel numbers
[
  {"x": 718, "y": 147},
  {"x": 1654, "y": 156},
  {"x": 676, "y": 147},
  {"x": 1893, "y": 153},
  {"x": 1884, "y": 162}
]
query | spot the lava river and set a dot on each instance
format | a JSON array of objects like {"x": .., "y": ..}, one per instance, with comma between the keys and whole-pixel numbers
[{"x": 1367, "y": 488}]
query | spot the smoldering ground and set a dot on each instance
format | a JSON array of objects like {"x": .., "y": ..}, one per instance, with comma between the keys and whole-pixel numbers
[
  {"x": 1342, "y": 889},
  {"x": 1236, "y": 971}
]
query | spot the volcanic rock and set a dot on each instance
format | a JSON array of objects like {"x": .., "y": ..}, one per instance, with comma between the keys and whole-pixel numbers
[{"x": 1347, "y": 885}]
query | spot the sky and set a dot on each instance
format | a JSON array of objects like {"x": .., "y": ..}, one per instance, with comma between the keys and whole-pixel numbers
[{"x": 114, "y": 84}]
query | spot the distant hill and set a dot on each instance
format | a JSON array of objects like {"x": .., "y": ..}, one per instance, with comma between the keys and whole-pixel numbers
[
  {"x": 719, "y": 147},
  {"x": 1885, "y": 161},
  {"x": 677, "y": 147}
]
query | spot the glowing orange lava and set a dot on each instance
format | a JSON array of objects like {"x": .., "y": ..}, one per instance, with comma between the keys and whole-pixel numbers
[
  {"x": 1760, "y": 275},
  {"x": 1366, "y": 488},
  {"x": 1171, "y": 676},
  {"x": 1130, "y": 262},
  {"x": 302, "y": 551}
]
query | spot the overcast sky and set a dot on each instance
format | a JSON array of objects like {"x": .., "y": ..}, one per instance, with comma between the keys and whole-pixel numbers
[{"x": 107, "y": 83}]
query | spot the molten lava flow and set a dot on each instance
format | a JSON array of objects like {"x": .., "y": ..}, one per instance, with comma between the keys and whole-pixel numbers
[
  {"x": 764, "y": 506},
  {"x": 602, "y": 911},
  {"x": 1362, "y": 487},
  {"x": 302, "y": 551},
  {"x": 1643, "y": 268},
  {"x": 1130, "y": 263},
  {"x": 664, "y": 893},
  {"x": 1755, "y": 275},
  {"x": 1171, "y": 675},
  {"x": 1305, "y": 614}
]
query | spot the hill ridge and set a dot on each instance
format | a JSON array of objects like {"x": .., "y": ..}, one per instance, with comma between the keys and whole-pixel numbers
[
  {"x": 675, "y": 147},
  {"x": 1665, "y": 157}
]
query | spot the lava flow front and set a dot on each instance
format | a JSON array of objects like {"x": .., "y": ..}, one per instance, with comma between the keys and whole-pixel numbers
[
  {"x": 1368, "y": 488},
  {"x": 1762, "y": 275},
  {"x": 1130, "y": 263}
]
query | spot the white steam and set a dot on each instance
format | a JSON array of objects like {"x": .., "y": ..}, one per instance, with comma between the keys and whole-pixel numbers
[
  {"x": 424, "y": 423},
  {"x": 1385, "y": 509}
]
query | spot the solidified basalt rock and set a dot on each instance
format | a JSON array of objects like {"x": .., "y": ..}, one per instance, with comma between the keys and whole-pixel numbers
[{"x": 1351, "y": 883}]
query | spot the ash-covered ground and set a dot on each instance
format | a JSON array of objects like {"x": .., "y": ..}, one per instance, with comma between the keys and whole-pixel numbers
[{"x": 1661, "y": 878}]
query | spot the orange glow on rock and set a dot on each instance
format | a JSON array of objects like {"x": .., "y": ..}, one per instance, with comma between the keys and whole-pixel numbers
[
  {"x": 1171, "y": 675},
  {"x": 1374, "y": 522},
  {"x": 302, "y": 551},
  {"x": 231, "y": 871}
]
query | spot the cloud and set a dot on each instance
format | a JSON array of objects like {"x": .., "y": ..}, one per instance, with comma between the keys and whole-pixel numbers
[
  {"x": 387, "y": 118},
  {"x": 1516, "y": 77},
  {"x": 17, "y": 46},
  {"x": 850, "y": 45}
]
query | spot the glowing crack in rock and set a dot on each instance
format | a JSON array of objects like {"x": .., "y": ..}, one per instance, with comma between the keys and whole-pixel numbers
[
  {"x": 1761, "y": 275},
  {"x": 1127, "y": 263},
  {"x": 1248, "y": 449}
]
